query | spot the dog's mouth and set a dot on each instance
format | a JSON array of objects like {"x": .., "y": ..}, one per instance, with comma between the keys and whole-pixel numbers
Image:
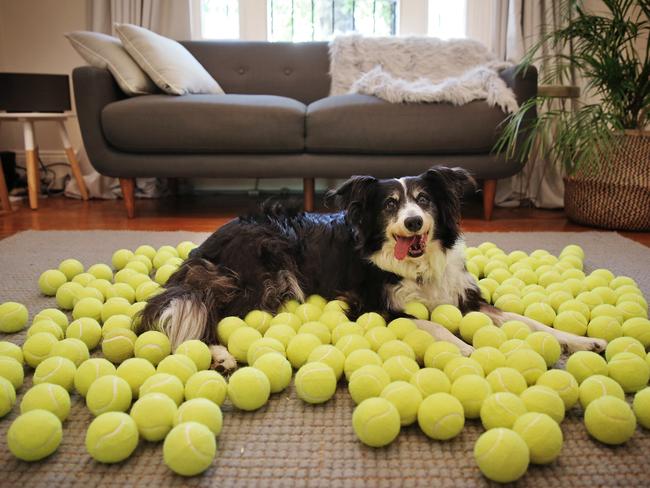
[{"x": 411, "y": 246}]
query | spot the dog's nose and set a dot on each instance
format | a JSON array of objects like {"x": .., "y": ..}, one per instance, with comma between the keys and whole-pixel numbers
[{"x": 413, "y": 224}]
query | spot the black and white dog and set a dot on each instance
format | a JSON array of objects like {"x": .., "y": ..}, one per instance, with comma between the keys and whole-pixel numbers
[{"x": 396, "y": 241}]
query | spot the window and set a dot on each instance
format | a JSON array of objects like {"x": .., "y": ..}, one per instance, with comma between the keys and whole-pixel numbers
[
  {"x": 317, "y": 20},
  {"x": 220, "y": 19},
  {"x": 447, "y": 20}
]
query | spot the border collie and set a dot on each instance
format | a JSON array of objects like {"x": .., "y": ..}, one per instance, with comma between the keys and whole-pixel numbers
[{"x": 395, "y": 241}]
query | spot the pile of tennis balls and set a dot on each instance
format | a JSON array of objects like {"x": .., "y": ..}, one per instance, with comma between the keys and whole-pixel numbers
[{"x": 396, "y": 374}]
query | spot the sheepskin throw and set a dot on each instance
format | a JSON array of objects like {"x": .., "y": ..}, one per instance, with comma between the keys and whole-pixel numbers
[{"x": 418, "y": 69}]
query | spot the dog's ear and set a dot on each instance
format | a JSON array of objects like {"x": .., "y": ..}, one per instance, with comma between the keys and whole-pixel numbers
[
  {"x": 351, "y": 196},
  {"x": 447, "y": 186}
]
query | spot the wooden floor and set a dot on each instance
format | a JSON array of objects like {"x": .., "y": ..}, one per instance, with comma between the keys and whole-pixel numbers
[{"x": 206, "y": 213}]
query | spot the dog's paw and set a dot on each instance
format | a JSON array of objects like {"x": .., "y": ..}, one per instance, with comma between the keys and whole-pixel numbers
[
  {"x": 465, "y": 349},
  {"x": 222, "y": 361},
  {"x": 577, "y": 343}
]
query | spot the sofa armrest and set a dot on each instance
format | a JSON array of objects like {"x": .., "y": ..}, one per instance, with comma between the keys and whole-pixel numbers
[
  {"x": 523, "y": 82},
  {"x": 94, "y": 88}
]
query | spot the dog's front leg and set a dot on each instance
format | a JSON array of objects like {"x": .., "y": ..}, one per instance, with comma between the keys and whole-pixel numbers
[
  {"x": 441, "y": 333},
  {"x": 222, "y": 360},
  {"x": 570, "y": 342}
]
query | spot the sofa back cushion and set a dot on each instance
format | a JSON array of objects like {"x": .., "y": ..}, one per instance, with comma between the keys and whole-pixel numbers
[{"x": 295, "y": 70}]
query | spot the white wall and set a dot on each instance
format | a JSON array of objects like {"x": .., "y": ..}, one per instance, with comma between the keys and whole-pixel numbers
[{"x": 31, "y": 41}]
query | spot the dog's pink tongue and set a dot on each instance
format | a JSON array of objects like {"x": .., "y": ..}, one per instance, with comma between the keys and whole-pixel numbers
[{"x": 402, "y": 246}]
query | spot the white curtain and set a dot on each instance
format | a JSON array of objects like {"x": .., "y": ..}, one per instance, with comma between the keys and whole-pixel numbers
[
  {"x": 170, "y": 18},
  {"x": 512, "y": 27}
]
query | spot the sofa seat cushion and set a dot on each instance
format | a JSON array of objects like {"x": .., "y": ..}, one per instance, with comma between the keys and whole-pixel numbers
[
  {"x": 365, "y": 124},
  {"x": 205, "y": 124}
]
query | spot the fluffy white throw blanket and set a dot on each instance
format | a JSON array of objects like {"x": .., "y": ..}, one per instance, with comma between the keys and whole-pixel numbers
[{"x": 418, "y": 69}]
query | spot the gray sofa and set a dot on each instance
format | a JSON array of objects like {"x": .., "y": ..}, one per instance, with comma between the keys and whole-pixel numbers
[{"x": 277, "y": 120}]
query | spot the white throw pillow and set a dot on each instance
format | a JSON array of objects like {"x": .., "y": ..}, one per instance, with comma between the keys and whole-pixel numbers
[
  {"x": 169, "y": 64},
  {"x": 107, "y": 52}
]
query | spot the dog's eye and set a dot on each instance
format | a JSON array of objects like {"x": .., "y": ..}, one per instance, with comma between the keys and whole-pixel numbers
[
  {"x": 422, "y": 199},
  {"x": 390, "y": 204}
]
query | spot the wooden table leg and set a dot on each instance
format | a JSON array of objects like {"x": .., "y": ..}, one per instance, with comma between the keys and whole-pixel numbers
[
  {"x": 128, "y": 192},
  {"x": 308, "y": 194},
  {"x": 72, "y": 159},
  {"x": 31, "y": 164},
  {"x": 4, "y": 194},
  {"x": 489, "y": 190}
]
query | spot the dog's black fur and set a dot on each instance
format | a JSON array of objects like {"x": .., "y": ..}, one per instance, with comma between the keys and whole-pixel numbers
[{"x": 260, "y": 261}]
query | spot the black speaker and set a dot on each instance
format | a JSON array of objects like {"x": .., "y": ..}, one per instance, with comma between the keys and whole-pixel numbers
[
  {"x": 9, "y": 168},
  {"x": 29, "y": 92}
]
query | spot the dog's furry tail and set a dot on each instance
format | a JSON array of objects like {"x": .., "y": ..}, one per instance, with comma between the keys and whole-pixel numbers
[{"x": 190, "y": 305}]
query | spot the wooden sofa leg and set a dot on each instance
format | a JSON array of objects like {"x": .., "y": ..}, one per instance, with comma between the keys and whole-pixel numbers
[
  {"x": 128, "y": 192},
  {"x": 489, "y": 189},
  {"x": 308, "y": 191}
]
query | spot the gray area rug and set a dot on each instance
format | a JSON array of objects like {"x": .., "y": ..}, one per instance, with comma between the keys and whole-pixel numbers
[{"x": 287, "y": 442}]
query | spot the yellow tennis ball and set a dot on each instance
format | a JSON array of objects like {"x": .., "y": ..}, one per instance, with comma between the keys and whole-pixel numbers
[
  {"x": 472, "y": 322},
  {"x": 402, "y": 326},
  {"x": 164, "y": 383},
  {"x": 395, "y": 348},
  {"x": 583, "y": 364},
  {"x": 67, "y": 295},
  {"x": 501, "y": 409},
  {"x": 146, "y": 290},
  {"x": 419, "y": 340},
  {"x": 471, "y": 391},
  {"x": 88, "y": 307},
  {"x": 515, "y": 329},
  {"x": 543, "y": 399},
  {"x": 45, "y": 325},
  {"x": 277, "y": 369},
  {"x": 112, "y": 437},
  {"x": 13, "y": 317},
  {"x": 121, "y": 290},
  {"x": 319, "y": 329},
  {"x": 259, "y": 320},
  {"x": 101, "y": 271},
  {"x": 12, "y": 370},
  {"x": 489, "y": 337},
  {"x": 542, "y": 435},
  {"x": 624, "y": 344},
  {"x": 489, "y": 358},
  {"x": 135, "y": 371},
  {"x": 280, "y": 332},
  {"x": 240, "y": 341},
  {"x": 376, "y": 422},
  {"x": 120, "y": 258},
  {"x": 118, "y": 345},
  {"x": 163, "y": 273},
  {"x": 227, "y": 326},
  {"x": 7, "y": 396},
  {"x": 332, "y": 318},
  {"x": 197, "y": 351},
  {"x": 378, "y": 336},
  {"x": 178, "y": 365},
  {"x": 145, "y": 250},
  {"x": 546, "y": 346},
  {"x": 89, "y": 371},
  {"x": 34, "y": 435},
  {"x": 430, "y": 381},
  {"x": 47, "y": 396},
  {"x": 572, "y": 322},
  {"x": 639, "y": 328},
  {"x": 208, "y": 384},
  {"x": 308, "y": 312},
  {"x": 189, "y": 448},
  {"x": 462, "y": 366},
  {"x": 137, "y": 266},
  {"x": 287, "y": 318},
  {"x": 249, "y": 388},
  {"x": 564, "y": 385},
  {"x": 203, "y": 411},
  {"x": 154, "y": 416},
  {"x": 153, "y": 346},
  {"x": 329, "y": 355},
  {"x": 57, "y": 370},
  {"x": 119, "y": 321},
  {"x": 50, "y": 281},
  {"x": 542, "y": 312},
  {"x": 84, "y": 279},
  {"x": 641, "y": 407},
  {"x": 359, "y": 358},
  {"x": 406, "y": 398},
  {"x": 352, "y": 328},
  {"x": 530, "y": 364},
  {"x": 417, "y": 310},
  {"x": 369, "y": 320},
  {"x": 71, "y": 268},
  {"x": 184, "y": 248},
  {"x": 53, "y": 314},
  {"x": 400, "y": 368},
  {"x": 367, "y": 382},
  {"x": 441, "y": 416},
  {"x": 108, "y": 394},
  {"x": 352, "y": 342},
  {"x": 317, "y": 300},
  {"x": 439, "y": 354},
  {"x": 86, "y": 330},
  {"x": 630, "y": 371},
  {"x": 597, "y": 386},
  {"x": 502, "y": 455},
  {"x": 114, "y": 306},
  {"x": 337, "y": 305},
  {"x": 263, "y": 346},
  {"x": 610, "y": 420},
  {"x": 448, "y": 316},
  {"x": 11, "y": 350},
  {"x": 300, "y": 347},
  {"x": 315, "y": 382}
]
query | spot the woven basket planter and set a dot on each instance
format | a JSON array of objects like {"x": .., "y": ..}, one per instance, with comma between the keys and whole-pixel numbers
[{"x": 618, "y": 197}]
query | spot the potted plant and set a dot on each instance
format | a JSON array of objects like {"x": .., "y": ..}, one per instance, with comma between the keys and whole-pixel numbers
[{"x": 601, "y": 140}]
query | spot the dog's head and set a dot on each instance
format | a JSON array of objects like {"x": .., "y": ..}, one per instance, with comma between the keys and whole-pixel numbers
[{"x": 401, "y": 219}]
